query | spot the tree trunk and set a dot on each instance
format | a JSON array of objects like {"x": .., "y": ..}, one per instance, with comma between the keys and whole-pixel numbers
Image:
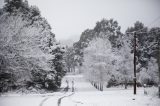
[{"x": 125, "y": 84}]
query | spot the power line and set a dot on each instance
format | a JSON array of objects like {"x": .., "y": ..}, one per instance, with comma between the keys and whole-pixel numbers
[
  {"x": 154, "y": 20},
  {"x": 148, "y": 25}
]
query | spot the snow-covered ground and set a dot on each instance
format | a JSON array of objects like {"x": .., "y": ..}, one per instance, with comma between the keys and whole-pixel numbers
[
  {"x": 85, "y": 95},
  {"x": 110, "y": 98}
]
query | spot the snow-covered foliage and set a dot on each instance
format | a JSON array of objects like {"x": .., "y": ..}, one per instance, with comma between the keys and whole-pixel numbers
[
  {"x": 58, "y": 62},
  {"x": 125, "y": 65},
  {"x": 70, "y": 59},
  {"x": 147, "y": 51},
  {"x": 108, "y": 54},
  {"x": 25, "y": 43},
  {"x": 149, "y": 75},
  {"x": 103, "y": 29},
  {"x": 100, "y": 62}
]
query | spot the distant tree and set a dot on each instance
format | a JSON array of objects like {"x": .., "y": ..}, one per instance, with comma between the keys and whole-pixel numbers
[
  {"x": 147, "y": 47},
  {"x": 152, "y": 42},
  {"x": 104, "y": 29},
  {"x": 149, "y": 76},
  {"x": 141, "y": 36},
  {"x": 85, "y": 38},
  {"x": 99, "y": 61},
  {"x": 125, "y": 63},
  {"x": 13, "y": 5},
  {"x": 70, "y": 59},
  {"x": 109, "y": 29}
]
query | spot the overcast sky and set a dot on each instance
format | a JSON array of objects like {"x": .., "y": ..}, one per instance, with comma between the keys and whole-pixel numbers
[{"x": 70, "y": 18}]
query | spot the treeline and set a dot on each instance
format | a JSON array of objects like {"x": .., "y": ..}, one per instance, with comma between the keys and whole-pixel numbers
[
  {"x": 105, "y": 54},
  {"x": 30, "y": 57}
]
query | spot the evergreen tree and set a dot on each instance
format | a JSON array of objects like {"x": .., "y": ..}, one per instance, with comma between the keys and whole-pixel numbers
[{"x": 104, "y": 29}]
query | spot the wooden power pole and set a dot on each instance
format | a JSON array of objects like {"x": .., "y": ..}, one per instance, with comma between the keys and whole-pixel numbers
[
  {"x": 135, "y": 44},
  {"x": 159, "y": 65}
]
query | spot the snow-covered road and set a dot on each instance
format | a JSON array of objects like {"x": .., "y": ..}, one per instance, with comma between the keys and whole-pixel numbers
[{"x": 85, "y": 95}]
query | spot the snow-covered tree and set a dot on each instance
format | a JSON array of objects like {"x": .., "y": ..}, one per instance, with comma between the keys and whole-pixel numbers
[
  {"x": 100, "y": 62},
  {"x": 71, "y": 59},
  {"x": 25, "y": 42},
  {"x": 58, "y": 62},
  {"x": 125, "y": 63},
  {"x": 149, "y": 76},
  {"x": 103, "y": 29},
  {"x": 147, "y": 49}
]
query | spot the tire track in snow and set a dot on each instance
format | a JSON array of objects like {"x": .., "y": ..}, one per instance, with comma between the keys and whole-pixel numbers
[
  {"x": 45, "y": 99},
  {"x": 60, "y": 99},
  {"x": 41, "y": 104}
]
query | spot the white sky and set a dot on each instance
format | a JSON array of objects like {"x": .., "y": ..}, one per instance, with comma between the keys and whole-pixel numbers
[{"x": 69, "y": 18}]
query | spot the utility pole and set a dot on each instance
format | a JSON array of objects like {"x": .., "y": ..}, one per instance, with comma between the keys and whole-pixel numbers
[
  {"x": 134, "y": 79},
  {"x": 159, "y": 65}
]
